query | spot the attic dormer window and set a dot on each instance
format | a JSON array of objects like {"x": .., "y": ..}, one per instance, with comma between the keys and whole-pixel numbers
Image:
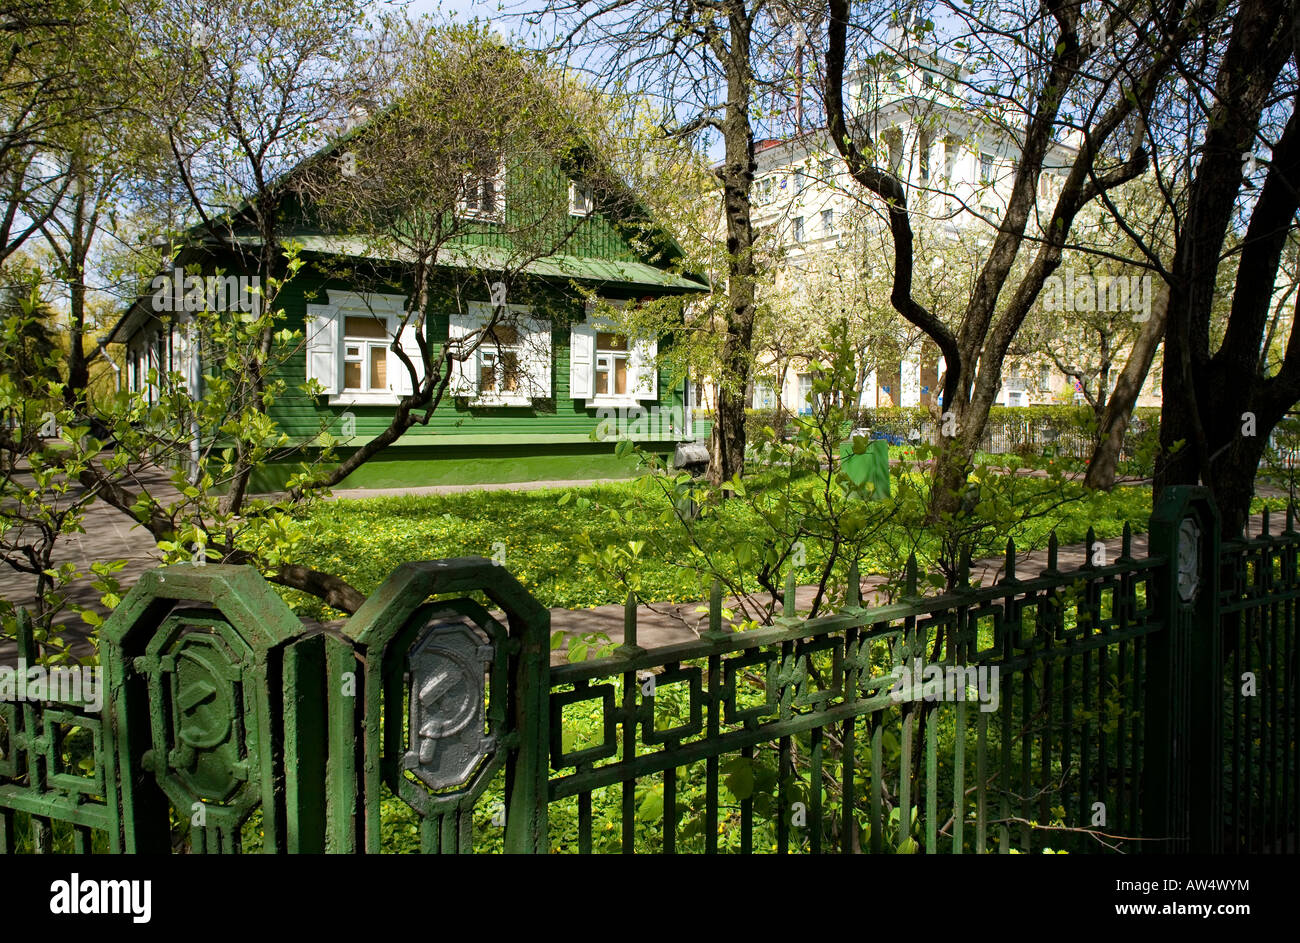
[
  {"x": 580, "y": 200},
  {"x": 481, "y": 194}
]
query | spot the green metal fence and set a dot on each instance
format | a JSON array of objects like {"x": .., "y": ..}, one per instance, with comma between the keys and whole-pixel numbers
[{"x": 1147, "y": 704}]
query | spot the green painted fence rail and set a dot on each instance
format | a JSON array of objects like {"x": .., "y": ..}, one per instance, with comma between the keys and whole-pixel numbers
[{"x": 1148, "y": 704}]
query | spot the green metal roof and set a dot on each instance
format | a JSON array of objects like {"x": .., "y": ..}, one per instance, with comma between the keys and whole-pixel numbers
[
  {"x": 495, "y": 258},
  {"x": 489, "y": 258}
]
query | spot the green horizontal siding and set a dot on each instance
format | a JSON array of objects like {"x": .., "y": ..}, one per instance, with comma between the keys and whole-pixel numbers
[
  {"x": 454, "y": 423},
  {"x": 427, "y": 466}
]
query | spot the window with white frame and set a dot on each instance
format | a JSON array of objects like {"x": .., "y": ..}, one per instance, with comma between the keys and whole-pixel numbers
[
  {"x": 350, "y": 348},
  {"x": 165, "y": 350},
  {"x": 607, "y": 365},
  {"x": 499, "y": 357},
  {"x": 611, "y": 364},
  {"x": 482, "y": 194},
  {"x": 798, "y": 229},
  {"x": 828, "y": 222},
  {"x": 805, "y": 394},
  {"x": 764, "y": 395},
  {"x": 146, "y": 355},
  {"x": 507, "y": 355},
  {"x": 365, "y": 354},
  {"x": 580, "y": 199},
  {"x": 894, "y": 142}
]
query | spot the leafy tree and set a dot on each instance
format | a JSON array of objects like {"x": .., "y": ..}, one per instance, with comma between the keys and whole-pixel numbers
[
  {"x": 1069, "y": 75},
  {"x": 1223, "y": 397},
  {"x": 709, "y": 67},
  {"x": 237, "y": 173}
]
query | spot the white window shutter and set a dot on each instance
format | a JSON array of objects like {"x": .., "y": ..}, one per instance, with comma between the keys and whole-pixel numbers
[
  {"x": 193, "y": 359},
  {"x": 185, "y": 354},
  {"x": 535, "y": 335},
  {"x": 180, "y": 352},
  {"x": 400, "y": 377},
  {"x": 323, "y": 348},
  {"x": 643, "y": 373},
  {"x": 464, "y": 378},
  {"x": 582, "y": 360}
]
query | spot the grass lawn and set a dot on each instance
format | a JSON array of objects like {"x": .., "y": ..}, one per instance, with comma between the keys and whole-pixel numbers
[{"x": 364, "y": 540}]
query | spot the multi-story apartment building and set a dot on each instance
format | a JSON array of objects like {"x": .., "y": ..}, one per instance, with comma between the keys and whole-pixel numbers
[{"x": 958, "y": 166}]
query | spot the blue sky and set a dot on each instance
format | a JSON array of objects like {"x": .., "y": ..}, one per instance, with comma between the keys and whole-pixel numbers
[{"x": 466, "y": 10}]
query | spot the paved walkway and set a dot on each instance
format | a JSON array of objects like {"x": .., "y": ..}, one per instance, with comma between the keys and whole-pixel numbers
[{"x": 109, "y": 535}]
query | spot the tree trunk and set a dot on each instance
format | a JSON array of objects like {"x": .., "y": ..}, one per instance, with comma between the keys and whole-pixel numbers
[
  {"x": 727, "y": 456},
  {"x": 727, "y": 438},
  {"x": 960, "y": 429},
  {"x": 1119, "y": 407}
]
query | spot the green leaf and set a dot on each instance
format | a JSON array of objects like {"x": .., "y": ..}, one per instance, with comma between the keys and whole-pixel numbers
[
  {"x": 740, "y": 777},
  {"x": 651, "y": 808}
]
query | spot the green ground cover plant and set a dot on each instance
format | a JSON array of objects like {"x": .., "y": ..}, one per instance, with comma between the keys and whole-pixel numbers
[{"x": 537, "y": 538}]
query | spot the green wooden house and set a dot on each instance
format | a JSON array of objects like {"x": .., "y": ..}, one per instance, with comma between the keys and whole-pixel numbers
[{"x": 575, "y": 384}]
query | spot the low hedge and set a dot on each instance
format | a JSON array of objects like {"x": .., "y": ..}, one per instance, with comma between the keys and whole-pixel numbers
[{"x": 1059, "y": 431}]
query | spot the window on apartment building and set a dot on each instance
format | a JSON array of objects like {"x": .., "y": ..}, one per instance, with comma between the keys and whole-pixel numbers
[
  {"x": 365, "y": 354},
  {"x": 800, "y": 181},
  {"x": 805, "y": 394},
  {"x": 611, "y": 364},
  {"x": 798, "y": 229},
  {"x": 894, "y": 141},
  {"x": 951, "y": 148},
  {"x": 764, "y": 395},
  {"x": 829, "y": 167},
  {"x": 923, "y": 156},
  {"x": 828, "y": 222},
  {"x": 986, "y": 167}
]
